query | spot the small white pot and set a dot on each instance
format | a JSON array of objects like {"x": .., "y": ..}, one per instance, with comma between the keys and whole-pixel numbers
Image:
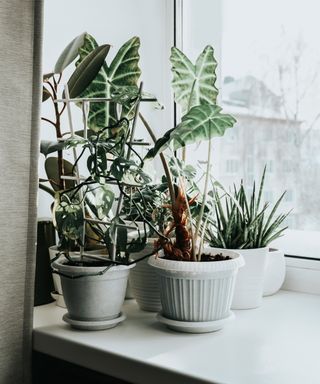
[
  {"x": 249, "y": 285},
  {"x": 93, "y": 298},
  {"x": 197, "y": 291},
  {"x": 275, "y": 272},
  {"x": 144, "y": 283}
]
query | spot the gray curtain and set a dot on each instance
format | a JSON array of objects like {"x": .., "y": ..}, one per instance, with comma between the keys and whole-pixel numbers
[{"x": 20, "y": 86}]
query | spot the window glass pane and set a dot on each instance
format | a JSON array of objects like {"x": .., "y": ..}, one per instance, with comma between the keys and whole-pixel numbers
[{"x": 270, "y": 81}]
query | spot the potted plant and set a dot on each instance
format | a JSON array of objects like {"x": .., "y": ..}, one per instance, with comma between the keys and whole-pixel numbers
[
  {"x": 143, "y": 281},
  {"x": 57, "y": 167},
  {"x": 246, "y": 225},
  {"x": 196, "y": 282},
  {"x": 90, "y": 209},
  {"x": 275, "y": 272}
]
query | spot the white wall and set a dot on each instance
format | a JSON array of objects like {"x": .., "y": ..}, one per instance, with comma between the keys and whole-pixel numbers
[{"x": 113, "y": 22}]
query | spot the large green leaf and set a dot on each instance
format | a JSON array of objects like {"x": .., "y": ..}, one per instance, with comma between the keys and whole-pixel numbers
[
  {"x": 194, "y": 84},
  {"x": 123, "y": 71},
  {"x": 87, "y": 70},
  {"x": 201, "y": 123},
  {"x": 69, "y": 54}
]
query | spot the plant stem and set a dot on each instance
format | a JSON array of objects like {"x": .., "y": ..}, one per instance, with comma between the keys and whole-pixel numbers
[
  {"x": 163, "y": 160},
  {"x": 193, "y": 243},
  {"x": 205, "y": 191},
  {"x": 48, "y": 121}
]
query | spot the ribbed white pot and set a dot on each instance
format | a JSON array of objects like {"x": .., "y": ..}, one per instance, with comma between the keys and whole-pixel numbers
[
  {"x": 144, "y": 283},
  {"x": 197, "y": 291},
  {"x": 249, "y": 285},
  {"x": 93, "y": 298},
  {"x": 275, "y": 272}
]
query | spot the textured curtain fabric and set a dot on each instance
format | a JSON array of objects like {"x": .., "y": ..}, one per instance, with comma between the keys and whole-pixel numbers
[{"x": 20, "y": 86}]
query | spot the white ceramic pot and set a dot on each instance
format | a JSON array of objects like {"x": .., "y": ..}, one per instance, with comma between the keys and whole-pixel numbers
[
  {"x": 144, "y": 283},
  {"x": 129, "y": 294},
  {"x": 92, "y": 297},
  {"x": 275, "y": 272},
  {"x": 57, "y": 294},
  {"x": 249, "y": 285},
  {"x": 197, "y": 291}
]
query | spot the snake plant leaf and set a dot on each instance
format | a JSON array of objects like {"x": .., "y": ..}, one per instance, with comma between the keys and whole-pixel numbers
[
  {"x": 123, "y": 71},
  {"x": 48, "y": 146},
  {"x": 202, "y": 122},
  {"x": 87, "y": 70},
  {"x": 69, "y": 54},
  {"x": 194, "y": 84},
  {"x": 51, "y": 167}
]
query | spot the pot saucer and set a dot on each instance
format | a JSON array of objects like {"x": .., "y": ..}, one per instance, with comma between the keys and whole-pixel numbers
[
  {"x": 93, "y": 325},
  {"x": 194, "y": 326}
]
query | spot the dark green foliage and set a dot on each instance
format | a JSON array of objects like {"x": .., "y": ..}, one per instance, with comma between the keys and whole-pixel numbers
[{"x": 245, "y": 223}]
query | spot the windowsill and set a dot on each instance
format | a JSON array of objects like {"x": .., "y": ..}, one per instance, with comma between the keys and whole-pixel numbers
[{"x": 276, "y": 344}]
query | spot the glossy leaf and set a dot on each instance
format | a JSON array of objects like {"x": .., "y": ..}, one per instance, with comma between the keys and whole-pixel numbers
[
  {"x": 194, "y": 84},
  {"x": 123, "y": 71},
  {"x": 202, "y": 122},
  {"x": 69, "y": 54},
  {"x": 87, "y": 70}
]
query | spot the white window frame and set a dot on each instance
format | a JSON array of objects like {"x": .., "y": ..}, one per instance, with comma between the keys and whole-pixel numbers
[{"x": 303, "y": 255}]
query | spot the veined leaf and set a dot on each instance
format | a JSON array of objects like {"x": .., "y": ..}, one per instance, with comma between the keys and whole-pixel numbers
[
  {"x": 202, "y": 122},
  {"x": 87, "y": 70},
  {"x": 194, "y": 84},
  {"x": 123, "y": 71},
  {"x": 70, "y": 52}
]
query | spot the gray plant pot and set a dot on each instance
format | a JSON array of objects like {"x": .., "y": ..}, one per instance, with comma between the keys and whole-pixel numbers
[{"x": 93, "y": 298}]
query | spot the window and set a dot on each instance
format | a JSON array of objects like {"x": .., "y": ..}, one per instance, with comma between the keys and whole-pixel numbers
[
  {"x": 232, "y": 166},
  {"x": 269, "y": 72}
]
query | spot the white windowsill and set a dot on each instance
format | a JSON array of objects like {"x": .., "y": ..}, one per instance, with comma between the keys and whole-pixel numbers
[{"x": 277, "y": 343}]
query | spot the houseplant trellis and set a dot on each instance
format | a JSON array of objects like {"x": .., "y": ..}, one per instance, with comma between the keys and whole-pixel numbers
[{"x": 81, "y": 313}]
